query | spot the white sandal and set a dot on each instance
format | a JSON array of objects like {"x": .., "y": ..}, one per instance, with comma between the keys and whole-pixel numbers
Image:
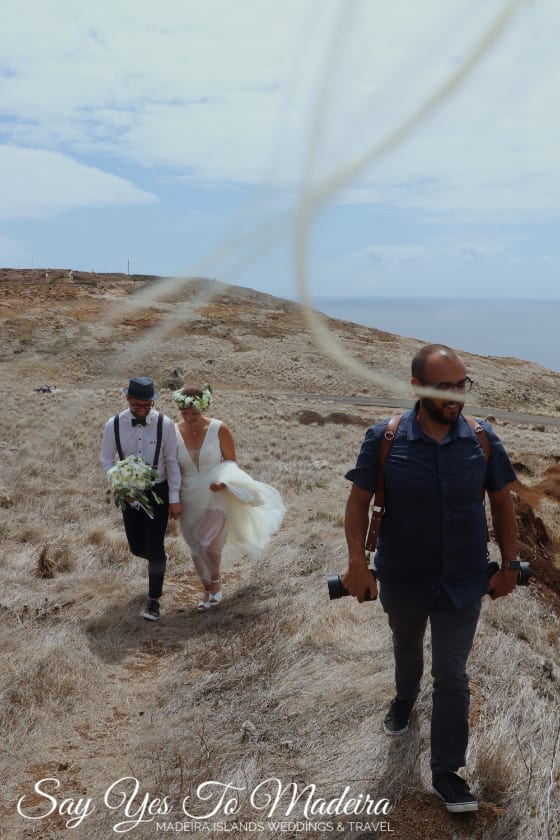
[
  {"x": 204, "y": 603},
  {"x": 215, "y": 597}
]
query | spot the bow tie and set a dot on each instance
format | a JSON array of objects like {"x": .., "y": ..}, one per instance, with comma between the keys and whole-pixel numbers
[{"x": 137, "y": 422}]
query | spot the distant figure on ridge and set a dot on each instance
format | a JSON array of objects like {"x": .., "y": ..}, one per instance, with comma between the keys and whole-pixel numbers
[
  {"x": 221, "y": 502},
  {"x": 144, "y": 437},
  {"x": 431, "y": 559}
]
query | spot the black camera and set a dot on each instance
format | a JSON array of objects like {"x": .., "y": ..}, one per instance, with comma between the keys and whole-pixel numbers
[
  {"x": 338, "y": 590},
  {"x": 523, "y": 569}
]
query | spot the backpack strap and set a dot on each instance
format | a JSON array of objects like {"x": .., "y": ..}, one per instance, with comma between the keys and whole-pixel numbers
[
  {"x": 117, "y": 436},
  {"x": 378, "y": 506},
  {"x": 159, "y": 436}
]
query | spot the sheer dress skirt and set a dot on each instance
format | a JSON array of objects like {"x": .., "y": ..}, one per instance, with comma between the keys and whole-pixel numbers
[{"x": 245, "y": 513}]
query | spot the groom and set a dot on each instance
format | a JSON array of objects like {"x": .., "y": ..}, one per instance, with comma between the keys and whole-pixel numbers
[{"x": 141, "y": 430}]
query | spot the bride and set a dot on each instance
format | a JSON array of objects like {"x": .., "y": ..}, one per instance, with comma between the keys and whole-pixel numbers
[{"x": 221, "y": 502}]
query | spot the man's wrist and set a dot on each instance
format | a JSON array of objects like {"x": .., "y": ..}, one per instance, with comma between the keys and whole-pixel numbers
[
  {"x": 357, "y": 561},
  {"x": 510, "y": 565}
]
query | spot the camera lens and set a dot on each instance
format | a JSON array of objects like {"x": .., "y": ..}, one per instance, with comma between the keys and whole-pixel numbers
[
  {"x": 336, "y": 587},
  {"x": 524, "y": 574},
  {"x": 523, "y": 569},
  {"x": 338, "y": 590}
]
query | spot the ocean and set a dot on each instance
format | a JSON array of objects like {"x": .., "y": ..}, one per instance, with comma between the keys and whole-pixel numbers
[{"x": 524, "y": 329}]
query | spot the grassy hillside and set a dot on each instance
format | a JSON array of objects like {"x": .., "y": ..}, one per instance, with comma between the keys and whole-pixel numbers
[{"x": 278, "y": 685}]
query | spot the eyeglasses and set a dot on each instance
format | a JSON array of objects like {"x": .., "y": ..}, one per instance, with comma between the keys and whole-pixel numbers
[
  {"x": 461, "y": 386},
  {"x": 137, "y": 405}
]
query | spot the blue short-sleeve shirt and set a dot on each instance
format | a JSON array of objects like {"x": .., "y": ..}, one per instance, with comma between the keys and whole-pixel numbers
[{"x": 433, "y": 532}]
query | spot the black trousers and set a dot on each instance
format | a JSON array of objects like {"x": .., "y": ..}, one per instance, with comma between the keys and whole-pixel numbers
[
  {"x": 453, "y": 631},
  {"x": 146, "y": 537}
]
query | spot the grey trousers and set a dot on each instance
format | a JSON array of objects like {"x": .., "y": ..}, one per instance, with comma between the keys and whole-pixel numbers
[{"x": 452, "y": 631}]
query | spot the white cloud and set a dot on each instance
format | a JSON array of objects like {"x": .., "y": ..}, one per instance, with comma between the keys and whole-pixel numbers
[
  {"x": 393, "y": 255},
  {"x": 241, "y": 92},
  {"x": 433, "y": 254},
  {"x": 42, "y": 183}
]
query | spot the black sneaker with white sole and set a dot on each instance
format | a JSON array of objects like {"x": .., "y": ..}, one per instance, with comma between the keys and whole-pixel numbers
[
  {"x": 455, "y": 793},
  {"x": 398, "y": 716},
  {"x": 151, "y": 611}
]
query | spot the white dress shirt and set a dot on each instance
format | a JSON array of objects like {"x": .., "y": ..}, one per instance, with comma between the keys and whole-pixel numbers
[{"x": 141, "y": 440}]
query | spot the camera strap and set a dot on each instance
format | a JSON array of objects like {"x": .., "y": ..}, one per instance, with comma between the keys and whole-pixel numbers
[
  {"x": 378, "y": 506},
  {"x": 482, "y": 439}
]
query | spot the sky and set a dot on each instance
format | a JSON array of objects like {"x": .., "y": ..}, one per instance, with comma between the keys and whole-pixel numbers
[{"x": 349, "y": 149}]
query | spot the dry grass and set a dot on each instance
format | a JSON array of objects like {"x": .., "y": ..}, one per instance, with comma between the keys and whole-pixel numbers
[{"x": 278, "y": 682}]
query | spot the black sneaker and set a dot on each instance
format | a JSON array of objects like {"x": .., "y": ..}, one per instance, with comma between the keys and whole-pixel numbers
[
  {"x": 151, "y": 612},
  {"x": 455, "y": 792},
  {"x": 396, "y": 719}
]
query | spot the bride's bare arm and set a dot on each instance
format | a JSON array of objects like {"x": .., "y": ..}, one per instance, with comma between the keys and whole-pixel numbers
[
  {"x": 226, "y": 443},
  {"x": 227, "y": 446}
]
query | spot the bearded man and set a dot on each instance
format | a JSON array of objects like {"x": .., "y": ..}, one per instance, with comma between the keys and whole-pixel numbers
[{"x": 431, "y": 559}]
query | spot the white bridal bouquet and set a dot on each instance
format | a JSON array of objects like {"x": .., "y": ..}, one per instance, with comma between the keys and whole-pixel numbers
[{"x": 132, "y": 478}]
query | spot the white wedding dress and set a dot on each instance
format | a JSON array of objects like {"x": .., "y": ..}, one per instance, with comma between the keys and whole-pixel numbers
[{"x": 245, "y": 513}]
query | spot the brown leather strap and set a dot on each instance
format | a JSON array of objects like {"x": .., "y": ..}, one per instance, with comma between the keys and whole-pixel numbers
[
  {"x": 481, "y": 434},
  {"x": 485, "y": 444},
  {"x": 378, "y": 506}
]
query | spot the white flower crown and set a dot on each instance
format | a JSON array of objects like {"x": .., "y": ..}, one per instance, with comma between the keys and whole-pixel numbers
[{"x": 198, "y": 403}]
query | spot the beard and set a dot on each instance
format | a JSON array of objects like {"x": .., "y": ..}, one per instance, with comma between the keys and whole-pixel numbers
[{"x": 446, "y": 417}]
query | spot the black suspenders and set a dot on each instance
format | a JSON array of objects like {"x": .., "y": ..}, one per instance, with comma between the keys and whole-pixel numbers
[
  {"x": 117, "y": 436},
  {"x": 159, "y": 434},
  {"x": 158, "y": 441}
]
